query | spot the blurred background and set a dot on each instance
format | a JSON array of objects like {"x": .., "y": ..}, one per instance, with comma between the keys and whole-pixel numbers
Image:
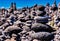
[{"x": 24, "y": 3}]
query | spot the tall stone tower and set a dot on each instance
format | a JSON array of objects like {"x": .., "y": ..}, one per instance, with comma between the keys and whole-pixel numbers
[
  {"x": 11, "y": 5},
  {"x": 55, "y": 2},
  {"x": 54, "y": 6},
  {"x": 11, "y": 8},
  {"x": 14, "y": 6}
]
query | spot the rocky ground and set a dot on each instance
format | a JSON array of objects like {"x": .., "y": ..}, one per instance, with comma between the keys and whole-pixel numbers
[{"x": 30, "y": 24}]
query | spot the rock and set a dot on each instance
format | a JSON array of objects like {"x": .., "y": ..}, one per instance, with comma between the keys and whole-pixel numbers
[
  {"x": 40, "y": 19},
  {"x": 12, "y": 28},
  {"x": 41, "y": 27},
  {"x": 42, "y": 36}
]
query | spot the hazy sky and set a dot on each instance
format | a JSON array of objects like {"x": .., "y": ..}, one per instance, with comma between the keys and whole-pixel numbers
[{"x": 24, "y": 3}]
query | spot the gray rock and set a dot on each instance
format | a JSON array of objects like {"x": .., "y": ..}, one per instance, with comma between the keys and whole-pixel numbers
[
  {"x": 42, "y": 36},
  {"x": 41, "y": 27},
  {"x": 40, "y": 19}
]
